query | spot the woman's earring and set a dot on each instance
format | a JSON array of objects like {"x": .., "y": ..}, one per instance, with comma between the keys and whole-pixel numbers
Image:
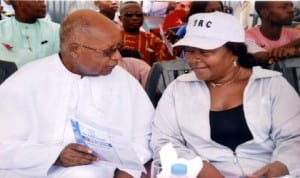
[{"x": 234, "y": 63}]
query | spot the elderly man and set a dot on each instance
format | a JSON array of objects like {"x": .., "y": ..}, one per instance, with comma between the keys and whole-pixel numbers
[
  {"x": 25, "y": 37},
  {"x": 83, "y": 84}
]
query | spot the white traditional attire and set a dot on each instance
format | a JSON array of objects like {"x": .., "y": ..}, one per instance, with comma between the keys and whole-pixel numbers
[{"x": 37, "y": 103}]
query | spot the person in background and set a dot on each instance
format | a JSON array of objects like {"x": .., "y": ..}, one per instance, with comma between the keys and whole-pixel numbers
[
  {"x": 108, "y": 9},
  {"x": 25, "y": 37},
  {"x": 272, "y": 41},
  {"x": 243, "y": 10},
  {"x": 177, "y": 16},
  {"x": 149, "y": 45},
  {"x": 1, "y": 11},
  {"x": 82, "y": 82},
  {"x": 155, "y": 8},
  {"x": 7, "y": 10},
  {"x": 137, "y": 68},
  {"x": 241, "y": 119}
]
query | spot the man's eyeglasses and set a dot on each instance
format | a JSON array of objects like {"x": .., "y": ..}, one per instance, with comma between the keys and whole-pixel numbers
[
  {"x": 130, "y": 14},
  {"x": 107, "y": 52}
]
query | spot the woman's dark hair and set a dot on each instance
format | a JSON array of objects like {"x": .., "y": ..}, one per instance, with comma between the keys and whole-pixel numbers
[{"x": 245, "y": 59}]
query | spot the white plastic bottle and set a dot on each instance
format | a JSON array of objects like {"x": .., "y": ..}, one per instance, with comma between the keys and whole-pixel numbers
[{"x": 179, "y": 170}]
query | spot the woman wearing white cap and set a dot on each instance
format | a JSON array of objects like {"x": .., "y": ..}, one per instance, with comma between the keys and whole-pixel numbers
[{"x": 244, "y": 121}]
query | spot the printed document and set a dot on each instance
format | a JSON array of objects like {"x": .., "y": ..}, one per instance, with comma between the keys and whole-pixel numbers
[{"x": 106, "y": 144}]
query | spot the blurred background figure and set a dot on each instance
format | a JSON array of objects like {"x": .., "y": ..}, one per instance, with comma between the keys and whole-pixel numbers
[
  {"x": 7, "y": 9},
  {"x": 81, "y": 4},
  {"x": 108, "y": 9},
  {"x": 244, "y": 11},
  {"x": 25, "y": 37},
  {"x": 148, "y": 44},
  {"x": 274, "y": 39},
  {"x": 155, "y": 8},
  {"x": 177, "y": 14}
]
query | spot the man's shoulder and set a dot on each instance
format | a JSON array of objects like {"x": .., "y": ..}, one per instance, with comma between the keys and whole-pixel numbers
[
  {"x": 252, "y": 31},
  {"x": 5, "y": 23},
  {"x": 291, "y": 32},
  {"x": 49, "y": 25}
]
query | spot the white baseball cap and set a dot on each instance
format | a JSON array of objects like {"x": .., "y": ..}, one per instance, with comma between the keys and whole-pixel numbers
[{"x": 212, "y": 30}]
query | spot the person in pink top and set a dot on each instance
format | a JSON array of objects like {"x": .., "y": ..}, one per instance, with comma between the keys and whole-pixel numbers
[
  {"x": 138, "y": 68},
  {"x": 272, "y": 41}
]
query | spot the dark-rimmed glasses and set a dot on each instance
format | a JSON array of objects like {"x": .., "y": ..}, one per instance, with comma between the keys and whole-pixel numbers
[
  {"x": 130, "y": 14},
  {"x": 106, "y": 52}
]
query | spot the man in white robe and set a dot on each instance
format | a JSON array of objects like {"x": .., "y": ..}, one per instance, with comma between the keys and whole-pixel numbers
[{"x": 84, "y": 83}]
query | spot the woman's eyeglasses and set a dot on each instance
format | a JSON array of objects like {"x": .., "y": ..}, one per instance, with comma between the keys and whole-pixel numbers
[{"x": 130, "y": 14}]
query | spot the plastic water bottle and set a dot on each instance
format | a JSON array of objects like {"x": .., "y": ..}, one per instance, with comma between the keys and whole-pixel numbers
[{"x": 179, "y": 170}]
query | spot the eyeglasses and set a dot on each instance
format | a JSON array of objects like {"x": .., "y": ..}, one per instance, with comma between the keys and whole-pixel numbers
[
  {"x": 130, "y": 14},
  {"x": 107, "y": 52}
]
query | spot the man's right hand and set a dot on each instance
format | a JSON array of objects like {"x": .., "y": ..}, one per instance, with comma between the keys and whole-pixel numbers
[
  {"x": 209, "y": 171},
  {"x": 75, "y": 155}
]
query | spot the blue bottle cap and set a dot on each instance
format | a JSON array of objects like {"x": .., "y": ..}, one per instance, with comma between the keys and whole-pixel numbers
[{"x": 179, "y": 169}]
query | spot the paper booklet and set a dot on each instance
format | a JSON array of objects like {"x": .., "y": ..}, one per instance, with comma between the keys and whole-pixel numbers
[{"x": 106, "y": 144}]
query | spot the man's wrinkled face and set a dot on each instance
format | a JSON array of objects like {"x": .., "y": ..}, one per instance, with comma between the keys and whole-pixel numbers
[{"x": 97, "y": 54}]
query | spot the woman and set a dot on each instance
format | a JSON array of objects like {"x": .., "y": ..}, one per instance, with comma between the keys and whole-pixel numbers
[{"x": 244, "y": 121}]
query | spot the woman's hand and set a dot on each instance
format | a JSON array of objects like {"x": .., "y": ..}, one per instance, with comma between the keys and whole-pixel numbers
[
  {"x": 209, "y": 171},
  {"x": 75, "y": 155},
  {"x": 276, "y": 169}
]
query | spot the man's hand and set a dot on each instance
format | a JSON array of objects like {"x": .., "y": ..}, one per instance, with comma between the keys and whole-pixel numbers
[
  {"x": 121, "y": 174},
  {"x": 209, "y": 171},
  {"x": 282, "y": 53},
  {"x": 75, "y": 155},
  {"x": 276, "y": 169}
]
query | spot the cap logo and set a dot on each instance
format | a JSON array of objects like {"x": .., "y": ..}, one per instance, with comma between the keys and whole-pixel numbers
[{"x": 202, "y": 23}]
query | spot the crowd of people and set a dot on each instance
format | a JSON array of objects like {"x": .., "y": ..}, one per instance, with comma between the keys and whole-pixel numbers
[{"x": 236, "y": 113}]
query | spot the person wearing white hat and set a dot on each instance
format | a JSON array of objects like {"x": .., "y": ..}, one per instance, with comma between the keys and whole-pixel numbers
[{"x": 243, "y": 120}]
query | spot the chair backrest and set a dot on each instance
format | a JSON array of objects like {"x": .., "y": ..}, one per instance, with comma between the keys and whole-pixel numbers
[
  {"x": 161, "y": 75},
  {"x": 6, "y": 69},
  {"x": 131, "y": 53},
  {"x": 291, "y": 71}
]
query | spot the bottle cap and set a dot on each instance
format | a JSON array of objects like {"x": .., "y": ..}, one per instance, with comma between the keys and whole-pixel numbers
[{"x": 178, "y": 169}]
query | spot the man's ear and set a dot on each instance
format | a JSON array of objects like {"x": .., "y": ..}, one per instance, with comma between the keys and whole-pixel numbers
[{"x": 264, "y": 12}]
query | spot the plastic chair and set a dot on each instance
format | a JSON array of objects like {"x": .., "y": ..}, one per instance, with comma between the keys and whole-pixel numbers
[
  {"x": 161, "y": 75},
  {"x": 6, "y": 69},
  {"x": 290, "y": 69}
]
